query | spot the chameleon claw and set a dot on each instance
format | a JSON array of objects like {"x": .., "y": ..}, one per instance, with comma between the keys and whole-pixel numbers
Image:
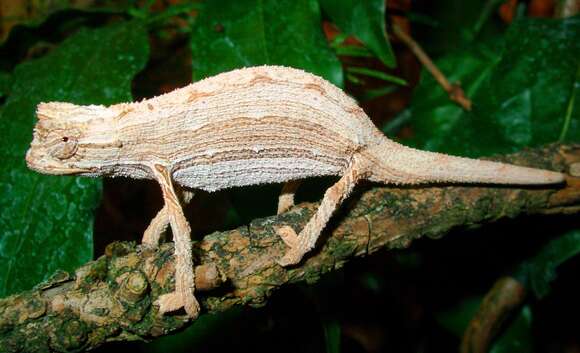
[{"x": 290, "y": 258}]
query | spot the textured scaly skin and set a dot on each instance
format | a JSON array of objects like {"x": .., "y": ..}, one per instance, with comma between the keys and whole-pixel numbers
[{"x": 250, "y": 126}]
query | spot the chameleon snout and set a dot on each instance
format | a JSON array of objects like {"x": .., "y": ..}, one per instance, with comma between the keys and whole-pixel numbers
[
  {"x": 36, "y": 161},
  {"x": 30, "y": 159}
]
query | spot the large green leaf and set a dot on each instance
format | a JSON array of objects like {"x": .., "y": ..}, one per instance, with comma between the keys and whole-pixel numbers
[
  {"x": 366, "y": 21},
  {"x": 438, "y": 121},
  {"x": 523, "y": 90},
  {"x": 46, "y": 221},
  {"x": 235, "y": 33}
]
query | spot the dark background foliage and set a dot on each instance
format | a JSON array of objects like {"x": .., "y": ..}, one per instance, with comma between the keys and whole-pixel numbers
[{"x": 516, "y": 60}]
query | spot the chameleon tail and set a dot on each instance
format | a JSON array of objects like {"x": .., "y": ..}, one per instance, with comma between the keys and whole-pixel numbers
[{"x": 401, "y": 164}]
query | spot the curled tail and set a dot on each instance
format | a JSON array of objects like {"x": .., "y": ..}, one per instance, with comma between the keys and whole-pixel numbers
[{"x": 395, "y": 163}]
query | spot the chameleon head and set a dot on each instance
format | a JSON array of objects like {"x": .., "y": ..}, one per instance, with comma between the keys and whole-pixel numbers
[{"x": 72, "y": 139}]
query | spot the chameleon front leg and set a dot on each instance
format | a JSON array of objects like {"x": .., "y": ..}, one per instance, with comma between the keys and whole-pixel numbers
[
  {"x": 159, "y": 223},
  {"x": 286, "y": 198},
  {"x": 305, "y": 241},
  {"x": 183, "y": 296}
]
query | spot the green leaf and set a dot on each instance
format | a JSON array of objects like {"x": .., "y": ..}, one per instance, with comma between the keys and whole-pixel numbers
[
  {"x": 46, "y": 221},
  {"x": 236, "y": 33},
  {"x": 377, "y": 74},
  {"x": 437, "y": 121},
  {"x": 332, "y": 335},
  {"x": 366, "y": 21},
  {"x": 5, "y": 83},
  {"x": 541, "y": 269},
  {"x": 517, "y": 336},
  {"x": 373, "y": 93},
  {"x": 572, "y": 110},
  {"x": 522, "y": 92},
  {"x": 354, "y": 51}
]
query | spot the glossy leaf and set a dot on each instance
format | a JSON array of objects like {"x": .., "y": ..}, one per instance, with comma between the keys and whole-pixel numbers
[
  {"x": 437, "y": 121},
  {"x": 46, "y": 221},
  {"x": 377, "y": 74},
  {"x": 517, "y": 336},
  {"x": 521, "y": 89},
  {"x": 366, "y": 21},
  {"x": 236, "y": 33}
]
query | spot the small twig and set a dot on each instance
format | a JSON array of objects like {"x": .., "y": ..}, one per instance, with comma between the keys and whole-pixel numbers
[
  {"x": 455, "y": 91},
  {"x": 506, "y": 295}
]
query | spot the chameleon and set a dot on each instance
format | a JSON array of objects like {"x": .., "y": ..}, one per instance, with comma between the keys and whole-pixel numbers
[{"x": 256, "y": 125}]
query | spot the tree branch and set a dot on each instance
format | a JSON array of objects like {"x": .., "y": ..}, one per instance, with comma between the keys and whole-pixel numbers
[{"x": 109, "y": 299}]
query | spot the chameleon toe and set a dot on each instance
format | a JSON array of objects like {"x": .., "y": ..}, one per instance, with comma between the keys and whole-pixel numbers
[{"x": 288, "y": 235}]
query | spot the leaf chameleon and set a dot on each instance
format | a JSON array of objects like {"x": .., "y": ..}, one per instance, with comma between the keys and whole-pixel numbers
[{"x": 258, "y": 125}]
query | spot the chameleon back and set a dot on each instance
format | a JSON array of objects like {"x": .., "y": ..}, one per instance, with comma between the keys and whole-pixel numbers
[{"x": 252, "y": 126}]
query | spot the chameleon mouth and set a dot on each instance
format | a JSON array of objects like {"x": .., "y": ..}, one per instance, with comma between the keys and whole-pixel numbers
[{"x": 45, "y": 168}]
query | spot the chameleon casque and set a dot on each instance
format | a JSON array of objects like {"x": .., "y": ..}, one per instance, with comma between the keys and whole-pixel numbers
[{"x": 267, "y": 124}]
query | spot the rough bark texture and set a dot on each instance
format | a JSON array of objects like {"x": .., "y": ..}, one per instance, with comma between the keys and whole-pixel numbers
[{"x": 110, "y": 298}]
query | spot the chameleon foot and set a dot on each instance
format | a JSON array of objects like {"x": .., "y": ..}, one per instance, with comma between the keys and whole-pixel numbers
[
  {"x": 174, "y": 301},
  {"x": 294, "y": 254},
  {"x": 286, "y": 198}
]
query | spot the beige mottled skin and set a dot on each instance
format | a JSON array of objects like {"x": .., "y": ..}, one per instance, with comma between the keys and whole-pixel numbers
[{"x": 257, "y": 125}]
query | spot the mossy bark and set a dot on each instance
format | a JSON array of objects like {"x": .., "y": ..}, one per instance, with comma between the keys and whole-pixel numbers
[{"x": 111, "y": 298}]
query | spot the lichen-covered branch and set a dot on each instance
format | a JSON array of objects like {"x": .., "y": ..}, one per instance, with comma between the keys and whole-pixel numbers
[{"x": 111, "y": 298}]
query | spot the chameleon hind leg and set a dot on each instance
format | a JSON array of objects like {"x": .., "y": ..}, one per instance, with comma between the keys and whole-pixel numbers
[
  {"x": 286, "y": 198},
  {"x": 183, "y": 296},
  {"x": 300, "y": 244},
  {"x": 160, "y": 222}
]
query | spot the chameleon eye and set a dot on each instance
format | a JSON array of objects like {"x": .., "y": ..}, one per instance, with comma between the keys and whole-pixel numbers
[{"x": 65, "y": 148}]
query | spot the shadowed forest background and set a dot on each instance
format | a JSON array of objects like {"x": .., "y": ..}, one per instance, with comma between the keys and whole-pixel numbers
[{"x": 503, "y": 75}]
